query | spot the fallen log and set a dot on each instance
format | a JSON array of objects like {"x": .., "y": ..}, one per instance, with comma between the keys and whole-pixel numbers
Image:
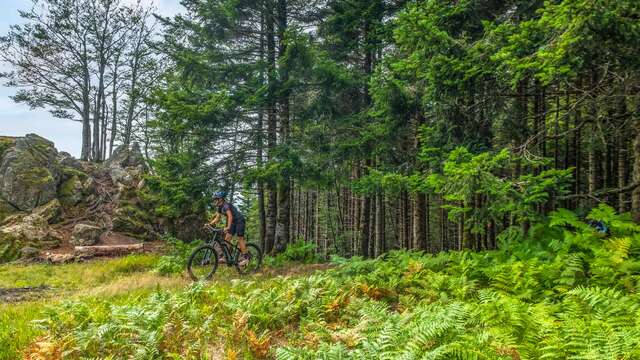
[{"x": 107, "y": 250}]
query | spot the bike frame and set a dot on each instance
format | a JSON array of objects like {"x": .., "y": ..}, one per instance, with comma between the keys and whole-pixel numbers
[{"x": 226, "y": 247}]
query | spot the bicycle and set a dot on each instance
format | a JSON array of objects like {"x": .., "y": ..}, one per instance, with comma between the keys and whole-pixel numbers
[{"x": 203, "y": 262}]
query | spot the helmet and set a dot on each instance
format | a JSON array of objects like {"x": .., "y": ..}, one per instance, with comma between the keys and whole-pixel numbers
[{"x": 219, "y": 194}]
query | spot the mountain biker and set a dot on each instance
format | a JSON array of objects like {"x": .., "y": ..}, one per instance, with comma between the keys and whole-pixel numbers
[{"x": 235, "y": 222}]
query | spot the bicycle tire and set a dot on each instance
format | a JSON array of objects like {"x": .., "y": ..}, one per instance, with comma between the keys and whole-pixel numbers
[
  {"x": 213, "y": 262},
  {"x": 256, "y": 254}
]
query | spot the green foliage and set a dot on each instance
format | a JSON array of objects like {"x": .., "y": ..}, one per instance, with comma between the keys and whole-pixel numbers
[
  {"x": 175, "y": 261},
  {"x": 566, "y": 291},
  {"x": 299, "y": 251}
]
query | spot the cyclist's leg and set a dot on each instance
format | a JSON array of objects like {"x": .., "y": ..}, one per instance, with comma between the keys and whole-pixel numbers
[{"x": 239, "y": 231}]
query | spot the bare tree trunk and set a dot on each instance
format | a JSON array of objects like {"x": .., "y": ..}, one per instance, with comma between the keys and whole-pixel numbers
[
  {"x": 379, "y": 221},
  {"x": 86, "y": 106},
  {"x": 272, "y": 205},
  {"x": 284, "y": 206},
  {"x": 635, "y": 195},
  {"x": 419, "y": 224}
]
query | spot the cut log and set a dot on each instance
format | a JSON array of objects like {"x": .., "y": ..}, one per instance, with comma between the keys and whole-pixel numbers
[{"x": 108, "y": 250}]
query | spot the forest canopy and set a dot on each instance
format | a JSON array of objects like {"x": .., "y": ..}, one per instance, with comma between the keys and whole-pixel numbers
[
  {"x": 365, "y": 126},
  {"x": 359, "y": 126}
]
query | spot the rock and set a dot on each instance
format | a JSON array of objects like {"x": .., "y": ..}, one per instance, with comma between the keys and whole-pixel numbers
[
  {"x": 66, "y": 160},
  {"x": 134, "y": 222},
  {"x": 124, "y": 157},
  {"x": 50, "y": 211},
  {"x": 59, "y": 258},
  {"x": 29, "y": 252},
  {"x": 120, "y": 176},
  {"x": 141, "y": 184},
  {"x": 90, "y": 186},
  {"x": 6, "y": 210},
  {"x": 85, "y": 235},
  {"x": 27, "y": 230},
  {"x": 70, "y": 192},
  {"x": 29, "y": 173},
  {"x": 6, "y": 142}
]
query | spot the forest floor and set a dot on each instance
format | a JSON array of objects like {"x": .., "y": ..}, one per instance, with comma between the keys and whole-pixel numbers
[
  {"x": 27, "y": 291},
  {"x": 566, "y": 291}
]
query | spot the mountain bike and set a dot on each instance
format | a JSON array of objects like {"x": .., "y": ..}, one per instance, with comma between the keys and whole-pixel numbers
[{"x": 204, "y": 260}]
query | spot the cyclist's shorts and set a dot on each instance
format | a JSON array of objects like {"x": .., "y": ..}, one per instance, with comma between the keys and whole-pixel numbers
[{"x": 237, "y": 228}]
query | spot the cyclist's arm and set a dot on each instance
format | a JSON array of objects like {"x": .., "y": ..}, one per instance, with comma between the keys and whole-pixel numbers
[{"x": 215, "y": 220}]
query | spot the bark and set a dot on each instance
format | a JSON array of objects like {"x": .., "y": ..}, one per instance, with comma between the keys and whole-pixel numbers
[
  {"x": 272, "y": 205},
  {"x": 364, "y": 226},
  {"x": 108, "y": 250},
  {"x": 86, "y": 106},
  {"x": 635, "y": 195},
  {"x": 419, "y": 221},
  {"x": 284, "y": 205},
  {"x": 260, "y": 143},
  {"x": 380, "y": 224}
]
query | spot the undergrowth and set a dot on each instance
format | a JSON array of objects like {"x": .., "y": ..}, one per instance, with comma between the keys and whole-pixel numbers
[{"x": 566, "y": 292}]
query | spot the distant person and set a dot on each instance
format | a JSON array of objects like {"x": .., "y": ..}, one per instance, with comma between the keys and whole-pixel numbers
[{"x": 235, "y": 224}]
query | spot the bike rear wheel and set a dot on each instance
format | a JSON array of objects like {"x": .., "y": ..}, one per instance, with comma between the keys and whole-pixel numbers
[
  {"x": 253, "y": 263},
  {"x": 203, "y": 263}
]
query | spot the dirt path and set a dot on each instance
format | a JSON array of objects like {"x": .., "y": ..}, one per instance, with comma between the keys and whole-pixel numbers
[{"x": 14, "y": 295}]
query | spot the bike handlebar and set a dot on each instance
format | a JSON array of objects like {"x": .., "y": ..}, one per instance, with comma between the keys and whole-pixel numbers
[{"x": 213, "y": 229}]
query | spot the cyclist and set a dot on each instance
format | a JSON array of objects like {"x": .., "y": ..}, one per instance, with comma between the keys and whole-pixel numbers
[{"x": 235, "y": 222}]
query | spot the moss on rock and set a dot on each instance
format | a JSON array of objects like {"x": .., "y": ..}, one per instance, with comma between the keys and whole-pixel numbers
[
  {"x": 6, "y": 143},
  {"x": 70, "y": 192},
  {"x": 29, "y": 173},
  {"x": 134, "y": 222}
]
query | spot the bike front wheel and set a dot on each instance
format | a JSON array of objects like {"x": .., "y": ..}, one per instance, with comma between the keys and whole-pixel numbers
[
  {"x": 203, "y": 263},
  {"x": 253, "y": 261}
]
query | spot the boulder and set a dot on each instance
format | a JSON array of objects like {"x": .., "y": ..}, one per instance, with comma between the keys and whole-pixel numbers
[
  {"x": 86, "y": 234},
  {"x": 120, "y": 176},
  {"x": 70, "y": 192},
  {"x": 28, "y": 230},
  {"x": 125, "y": 157},
  {"x": 66, "y": 160},
  {"x": 134, "y": 222},
  {"x": 90, "y": 186},
  {"x": 29, "y": 252},
  {"x": 50, "y": 211},
  {"x": 6, "y": 210},
  {"x": 29, "y": 173},
  {"x": 6, "y": 142}
]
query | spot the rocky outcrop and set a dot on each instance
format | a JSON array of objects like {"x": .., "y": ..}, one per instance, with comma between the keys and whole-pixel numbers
[
  {"x": 29, "y": 173},
  {"x": 48, "y": 198}
]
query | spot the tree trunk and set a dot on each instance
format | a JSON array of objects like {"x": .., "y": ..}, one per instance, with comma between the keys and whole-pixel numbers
[
  {"x": 419, "y": 223},
  {"x": 284, "y": 205},
  {"x": 380, "y": 228},
  {"x": 272, "y": 206}
]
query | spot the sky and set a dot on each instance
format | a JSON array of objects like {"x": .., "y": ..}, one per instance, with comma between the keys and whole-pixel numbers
[{"x": 19, "y": 119}]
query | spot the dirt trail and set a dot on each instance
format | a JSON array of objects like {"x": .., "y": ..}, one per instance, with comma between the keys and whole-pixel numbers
[
  {"x": 14, "y": 295},
  {"x": 145, "y": 279}
]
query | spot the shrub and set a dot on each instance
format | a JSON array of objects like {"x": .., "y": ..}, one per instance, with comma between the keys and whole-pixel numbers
[{"x": 176, "y": 260}]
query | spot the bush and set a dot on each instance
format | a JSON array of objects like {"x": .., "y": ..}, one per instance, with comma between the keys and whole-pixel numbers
[
  {"x": 299, "y": 251},
  {"x": 176, "y": 260}
]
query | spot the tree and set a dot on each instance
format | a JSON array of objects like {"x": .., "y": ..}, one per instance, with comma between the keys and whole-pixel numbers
[{"x": 69, "y": 53}]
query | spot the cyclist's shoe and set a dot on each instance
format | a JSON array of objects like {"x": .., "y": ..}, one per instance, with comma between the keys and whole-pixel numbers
[
  {"x": 221, "y": 260},
  {"x": 244, "y": 259}
]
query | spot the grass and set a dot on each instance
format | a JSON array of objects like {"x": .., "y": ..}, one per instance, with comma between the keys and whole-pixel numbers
[
  {"x": 108, "y": 278},
  {"x": 101, "y": 283}
]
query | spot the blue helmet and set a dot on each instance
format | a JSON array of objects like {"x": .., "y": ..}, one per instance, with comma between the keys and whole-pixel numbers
[{"x": 219, "y": 194}]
